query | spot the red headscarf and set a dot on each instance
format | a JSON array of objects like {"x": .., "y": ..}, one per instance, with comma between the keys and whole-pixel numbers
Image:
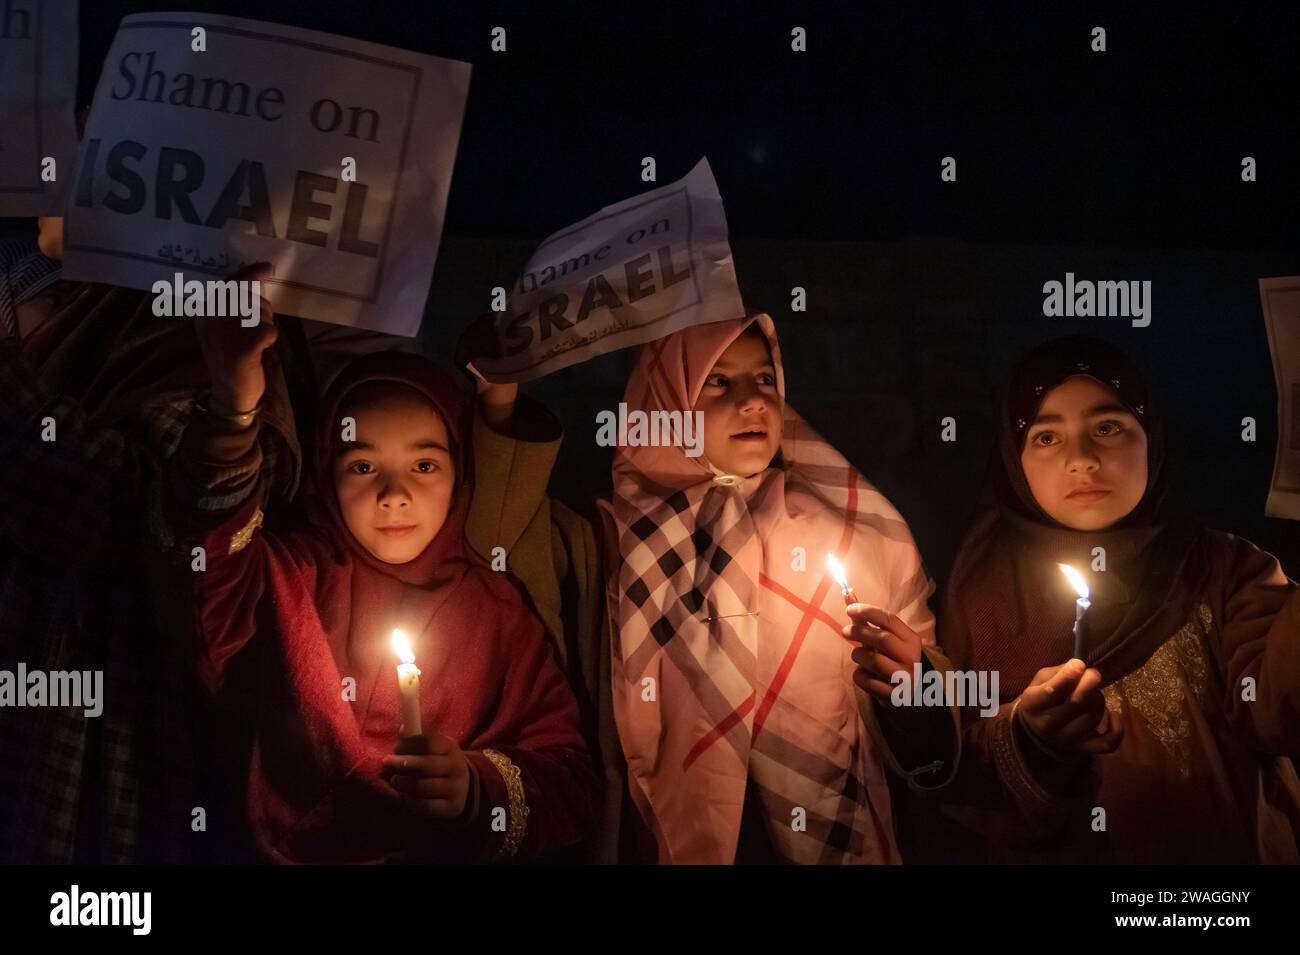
[{"x": 447, "y": 552}]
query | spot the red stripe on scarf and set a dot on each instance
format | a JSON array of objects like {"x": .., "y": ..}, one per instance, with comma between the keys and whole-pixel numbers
[
  {"x": 805, "y": 623},
  {"x": 719, "y": 731},
  {"x": 793, "y": 598},
  {"x": 810, "y": 612}
]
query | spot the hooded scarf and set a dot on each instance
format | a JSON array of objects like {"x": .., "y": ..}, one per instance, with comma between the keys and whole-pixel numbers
[
  {"x": 729, "y": 668},
  {"x": 316, "y": 792},
  {"x": 1008, "y": 608}
]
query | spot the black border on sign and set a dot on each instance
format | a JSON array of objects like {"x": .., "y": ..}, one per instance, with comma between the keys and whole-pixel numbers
[
  {"x": 690, "y": 246},
  {"x": 417, "y": 74},
  {"x": 36, "y": 100}
]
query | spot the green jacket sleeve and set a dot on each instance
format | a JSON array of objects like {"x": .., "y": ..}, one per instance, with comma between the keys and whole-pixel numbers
[
  {"x": 553, "y": 555},
  {"x": 509, "y": 521}
]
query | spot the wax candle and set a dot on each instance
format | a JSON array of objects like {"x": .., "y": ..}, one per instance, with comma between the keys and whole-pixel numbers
[
  {"x": 837, "y": 571},
  {"x": 1081, "y": 605},
  {"x": 408, "y": 682}
]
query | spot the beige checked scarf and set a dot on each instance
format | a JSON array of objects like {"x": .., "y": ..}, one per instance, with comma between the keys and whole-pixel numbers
[{"x": 729, "y": 669}]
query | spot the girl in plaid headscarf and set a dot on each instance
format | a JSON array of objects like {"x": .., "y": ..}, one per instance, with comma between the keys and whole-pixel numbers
[{"x": 734, "y": 691}]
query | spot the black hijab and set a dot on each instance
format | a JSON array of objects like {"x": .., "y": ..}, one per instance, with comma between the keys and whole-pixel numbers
[{"x": 1008, "y": 607}]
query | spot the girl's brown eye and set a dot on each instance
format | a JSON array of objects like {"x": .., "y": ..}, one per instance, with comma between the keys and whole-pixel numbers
[{"x": 360, "y": 467}]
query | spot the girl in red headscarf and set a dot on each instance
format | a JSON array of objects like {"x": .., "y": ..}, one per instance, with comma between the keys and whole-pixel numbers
[{"x": 507, "y": 772}]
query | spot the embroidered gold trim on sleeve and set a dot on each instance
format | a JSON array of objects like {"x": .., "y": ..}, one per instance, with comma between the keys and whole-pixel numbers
[
  {"x": 1173, "y": 678},
  {"x": 240, "y": 539},
  {"x": 518, "y": 810}
]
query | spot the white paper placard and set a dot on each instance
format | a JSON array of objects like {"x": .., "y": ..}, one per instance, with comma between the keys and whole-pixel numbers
[
  {"x": 329, "y": 157},
  {"x": 633, "y": 272}
]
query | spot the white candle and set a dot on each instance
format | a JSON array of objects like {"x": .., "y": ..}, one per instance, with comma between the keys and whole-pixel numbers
[
  {"x": 408, "y": 682},
  {"x": 1081, "y": 605}
]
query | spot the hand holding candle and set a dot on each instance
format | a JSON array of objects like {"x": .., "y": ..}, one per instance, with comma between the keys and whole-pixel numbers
[
  {"x": 436, "y": 784},
  {"x": 432, "y": 773},
  {"x": 1063, "y": 709},
  {"x": 888, "y": 644}
]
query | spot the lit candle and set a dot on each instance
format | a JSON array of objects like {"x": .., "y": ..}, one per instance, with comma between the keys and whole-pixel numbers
[
  {"x": 1081, "y": 605},
  {"x": 837, "y": 571},
  {"x": 408, "y": 681}
]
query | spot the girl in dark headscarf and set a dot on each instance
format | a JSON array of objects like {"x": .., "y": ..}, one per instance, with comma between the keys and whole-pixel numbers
[{"x": 1172, "y": 739}]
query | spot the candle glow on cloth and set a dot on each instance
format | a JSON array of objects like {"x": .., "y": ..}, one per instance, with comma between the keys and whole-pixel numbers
[
  {"x": 1081, "y": 605},
  {"x": 837, "y": 571},
  {"x": 408, "y": 682}
]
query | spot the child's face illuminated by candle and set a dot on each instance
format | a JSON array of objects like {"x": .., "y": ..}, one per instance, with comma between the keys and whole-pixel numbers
[
  {"x": 395, "y": 482},
  {"x": 1085, "y": 456},
  {"x": 742, "y": 409}
]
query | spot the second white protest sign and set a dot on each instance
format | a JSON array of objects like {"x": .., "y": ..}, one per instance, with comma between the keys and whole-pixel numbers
[{"x": 633, "y": 272}]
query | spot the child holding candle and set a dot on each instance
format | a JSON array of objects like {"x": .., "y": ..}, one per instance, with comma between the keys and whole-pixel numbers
[
  {"x": 1182, "y": 719},
  {"x": 745, "y": 736},
  {"x": 506, "y": 772}
]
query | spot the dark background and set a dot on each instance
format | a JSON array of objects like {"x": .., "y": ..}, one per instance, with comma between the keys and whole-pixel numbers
[{"x": 1116, "y": 165}]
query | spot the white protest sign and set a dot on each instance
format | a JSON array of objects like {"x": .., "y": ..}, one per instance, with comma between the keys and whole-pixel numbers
[
  {"x": 633, "y": 272},
  {"x": 329, "y": 157},
  {"x": 38, "y": 88}
]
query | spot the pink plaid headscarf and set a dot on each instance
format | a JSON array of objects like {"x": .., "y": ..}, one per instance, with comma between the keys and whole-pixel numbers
[{"x": 729, "y": 669}]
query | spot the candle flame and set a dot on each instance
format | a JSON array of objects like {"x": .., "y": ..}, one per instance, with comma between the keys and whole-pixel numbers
[
  {"x": 402, "y": 647},
  {"x": 837, "y": 571},
  {"x": 1076, "y": 580}
]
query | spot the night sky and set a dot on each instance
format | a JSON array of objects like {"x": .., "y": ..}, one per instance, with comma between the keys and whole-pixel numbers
[
  {"x": 1119, "y": 165},
  {"x": 1054, "y": 142}
]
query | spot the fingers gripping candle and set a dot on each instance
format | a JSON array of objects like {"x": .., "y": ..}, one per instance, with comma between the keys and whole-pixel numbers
[{"x": 408, "y": 682}]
